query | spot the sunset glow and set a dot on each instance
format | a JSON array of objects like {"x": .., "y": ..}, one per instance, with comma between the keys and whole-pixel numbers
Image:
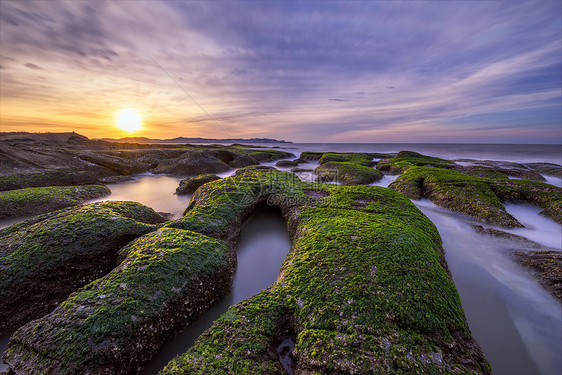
[
  {"x": 128, "y": 120},
  {"x": 350, "y": 71}
]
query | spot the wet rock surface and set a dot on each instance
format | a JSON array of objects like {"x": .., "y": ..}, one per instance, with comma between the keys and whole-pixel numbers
[
  {"x": 35, "y": 160},
  {"x": 546, "y": 265},
  {"x": 460, "y": 188},
  {"x": 347, "y": 169},
  {"x": 116, "y": 323},
  {"x": 189, "y": 185},
  {"x": 33, "y": 201},
  {"x": 44, "y": 259},
  {"x": 342, "y": 291}
]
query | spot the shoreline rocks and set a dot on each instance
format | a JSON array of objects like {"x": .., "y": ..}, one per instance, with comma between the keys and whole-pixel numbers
[
  {"x": 116, "y": 323},
  {"x": 547, "y": 266},
  {"x": 189, "y": 185},
  {"x": 44, "y": 259},
  {"x": 34, "y": 201}
]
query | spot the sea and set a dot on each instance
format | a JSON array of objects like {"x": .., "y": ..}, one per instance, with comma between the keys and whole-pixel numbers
[{"x": 517, "y": 323}]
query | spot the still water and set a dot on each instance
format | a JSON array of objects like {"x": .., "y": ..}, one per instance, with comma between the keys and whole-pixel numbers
[{"x": 263, "y": 245}]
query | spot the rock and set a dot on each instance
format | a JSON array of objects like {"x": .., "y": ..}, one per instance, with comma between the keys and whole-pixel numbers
[
  {"x": 550, "y": 169},
  {"x": 547, "y": 266},
  {"x": 287, "y": 163},
  {"x": 347, "y": 173},
  {"x": 310, "y": 155},
  {"x": 365, "y": 283},
  {"x": 189, "y": 185},
  {"x": 57, "y": 177},
  {"x": 406, "y": 159},
  {"x": 344, "y": 318},
  {"x": 506, "y": 236},
  {"x": 452, "y": 190},
  {"x": 34, "y": 201},
  {"x": 254, "y": 168},
  {"x": 546, "y": 196},
  {"x": 116, "y": 323},
  {"x": 192, "y": 163},
  {"x": 44, "y": 259}
]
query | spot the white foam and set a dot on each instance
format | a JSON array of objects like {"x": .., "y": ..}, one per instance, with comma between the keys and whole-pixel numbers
[{"x": 537, "y": 227}]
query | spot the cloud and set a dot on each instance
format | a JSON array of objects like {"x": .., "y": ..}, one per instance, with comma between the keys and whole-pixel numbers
[{"x": 275, "y": 68}]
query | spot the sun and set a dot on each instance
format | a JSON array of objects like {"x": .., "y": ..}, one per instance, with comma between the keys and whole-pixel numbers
[{"x": 128, "y": 120}]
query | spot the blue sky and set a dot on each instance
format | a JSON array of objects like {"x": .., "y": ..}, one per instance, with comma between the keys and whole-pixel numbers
[{"x": 413, "y": 71}]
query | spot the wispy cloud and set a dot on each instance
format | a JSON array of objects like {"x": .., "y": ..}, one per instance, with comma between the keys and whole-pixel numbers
[{"x": 285, "y": 69}]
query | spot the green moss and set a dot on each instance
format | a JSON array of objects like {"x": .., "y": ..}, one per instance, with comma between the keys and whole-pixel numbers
[
  {"x": 478, "y": 197},
  {"x": 221, "y": 205},
  {"x": 32, "y": 249},
  {"x": 405, "y": 159},
  {"x": 264, "y": 155},
  {"x": 189, "y": 185},
  {"x": 310, "y": 155},
  {"x": 541, "y": 194},
  {"x": 123, "y": 310},
  {"x": 347, "y": 173},
  {"x": 364, "y": 289},
  {"x": 455, "y": 191},
  {"x": 363, "y": 159},
  {"x": 12, "y": 181},
  {"x": 32, "y": 201}
]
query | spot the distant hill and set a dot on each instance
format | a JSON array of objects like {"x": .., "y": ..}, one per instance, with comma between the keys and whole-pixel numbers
[{"x": 193, "y": 140}]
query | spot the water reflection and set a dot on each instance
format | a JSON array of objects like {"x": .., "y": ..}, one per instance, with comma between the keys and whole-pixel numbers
[
  {"x": 155, "y": 191},
  {"x": 263, "y": 245}
]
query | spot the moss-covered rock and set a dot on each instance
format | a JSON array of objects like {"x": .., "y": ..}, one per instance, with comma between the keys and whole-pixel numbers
[
  {"x": 264, "y": 155},
  {"x": 114, "y": 324},
  {"x": 406, "y": 159},
  {"x": 364, "y": 289},
  {"x": 355, "y": 158},
  {"x": 455, "y": 191},
  {"x": 287, "y": 163},
  {"x": 44, "y": 259},
  {"x": 192, "y": 163},
  {"x": 23, "y": 180},
  {"x": 546, "y": 196},
  {"x": 310, "y": 155},
  {"x": 547, "y": 266},
  {"x": 347, "y": 173},
  {"x": 33, "y": 201},
  {"x": 189, "y": 185},
  {"x": 550, "y": 169}
]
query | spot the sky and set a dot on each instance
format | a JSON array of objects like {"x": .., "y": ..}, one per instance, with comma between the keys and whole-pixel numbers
[{"x": 304, "y": 71}]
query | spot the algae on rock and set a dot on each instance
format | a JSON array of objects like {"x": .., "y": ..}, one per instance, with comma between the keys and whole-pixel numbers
[
  {"x": 44, "y": 259},
  {"x": 33, "y": 201},
  {"x": 364, "y": 288},
  {"x": 116, "y": 323}
]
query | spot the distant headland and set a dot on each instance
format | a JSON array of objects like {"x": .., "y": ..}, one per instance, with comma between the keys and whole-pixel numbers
[{"x": 194, "y": 140}]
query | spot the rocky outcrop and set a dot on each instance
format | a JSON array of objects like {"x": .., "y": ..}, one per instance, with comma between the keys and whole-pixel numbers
[
  {"x": 189, "y": 185},
  {"x": 455, "y": 191},
  {"x": 365, "y": 288},
  {"x": 287, "y": 163},
  {"x": 36, "y": 160},
  {"x": 347, "y": 169},
  {"x": 547, "y": 266},
  {"x": 114, "y": 324},
  {"x": 34, "y": 201},
  {"x": 44, "y": 259},
  {"x": 406, "y": 159}
]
